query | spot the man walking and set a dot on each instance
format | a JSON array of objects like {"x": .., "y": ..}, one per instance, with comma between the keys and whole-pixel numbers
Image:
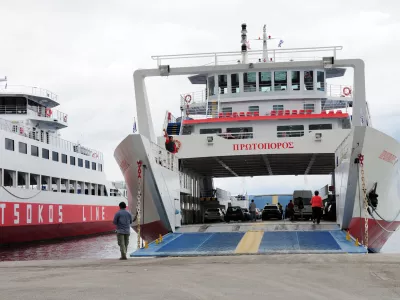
[
  {"x": 253, "y": 211},
  {"x": 317, "y": 205},
  {"x": 123, "y": 220}
]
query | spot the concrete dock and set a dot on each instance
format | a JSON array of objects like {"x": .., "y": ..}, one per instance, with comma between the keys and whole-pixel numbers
[{"x": 299, "y": 276}]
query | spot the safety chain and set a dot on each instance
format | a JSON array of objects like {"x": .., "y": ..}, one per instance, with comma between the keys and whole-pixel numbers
[
  {"x": 361, "y": 160},
  {"x": 139, "y": 197}
]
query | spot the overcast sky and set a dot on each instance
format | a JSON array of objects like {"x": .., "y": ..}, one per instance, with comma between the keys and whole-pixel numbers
[{"x": 86, "y": 52}]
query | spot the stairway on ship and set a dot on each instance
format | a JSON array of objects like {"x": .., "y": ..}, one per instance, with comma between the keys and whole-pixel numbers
[
  {"x": 252, "y": 238},
  {"x": 173, "y": 128}
]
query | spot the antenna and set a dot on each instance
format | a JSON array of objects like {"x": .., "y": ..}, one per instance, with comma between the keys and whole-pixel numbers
[
  {"x": 244, "y": 41},
  {"x": 265, "y": 47}
]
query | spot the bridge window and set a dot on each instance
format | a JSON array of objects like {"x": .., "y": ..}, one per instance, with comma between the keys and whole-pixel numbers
[
  {"x": 309, "y": 80},
  {"x": 64, "y": 158},
  {"x": 72, "y": 160},
  {"x": 80, "y": 162},
  {"x": 23, "y": 148},
  {"x": 249, "y": 81},
  {"x": 223, "y": 84},
  {"x": 309, "y": 106},
  {"x": 93, "y": 166},
  {"x": 277, "y": 107},
  {"x": 254, "y": 109},
  {"x": 45, "y": 153},
  {"x": 295, "y": 80},
  {"x": 87, "y": 164},
  {"x": 320, "y": 81},
  {"x": 227, "y": 110},
  {"x": 9, "y": 144},
  {"x": 55, "y": 156},
  {"x": 265, "y": 81},
  {"x": 320, "y": 127},
  {"x": 211, "y": 86},
  {"x": 240, "y": 132},
  {"x": 100, "y": 167},
  {"x": 210, "y": 131},
  {"x": 290, "y": 131},
  {"x": 280, "y": 78},
  {"x": 235, "y": 83},
  {"x": 34, "y": 151}
]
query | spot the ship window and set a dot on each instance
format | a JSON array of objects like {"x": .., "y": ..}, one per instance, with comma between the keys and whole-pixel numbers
[
  {"x": 320, "y": 126},
  {"x": 72, "y": 160},
  {"x": 295, "y": 80},
  {"x": 308, "y": 80},
  {"x": 211, "y": 86},
  {"x": 249, "y": 81},
  {"x": 280, "y": 78},
  {"x": 34, "y": 151},
  {"x": 254, "y": 109},
  {"x": 227, "y": 109},
  {"x": 309, "y": 106},
  {"x": 277, "y": 107},
  {"x": 290, "y": 131},
  {"x": 87, "y": 164},
  {"x": 80, "y": 162},
  {"x": 23, "y": 148},
  {"x": 210, "y": 130},
  {"x": 320, "y": 81},
  {"x": 9, "y": 144},
  {"x": 64, "y": 159},
  {"x": 265, "y": 81},
  {"x": 45, "y": 153},
  {"x": 223, "y": 84},
  {"x": 93, "y": 166},
  {"x": 240, "y": 132},
  {"x": 54, "y": 155},
  {"x": 235, "y": 83},
  {"x": 100, "y": 167}
]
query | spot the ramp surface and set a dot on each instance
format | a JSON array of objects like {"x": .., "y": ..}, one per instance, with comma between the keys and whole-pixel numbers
[{"x": 250, "y": 242}]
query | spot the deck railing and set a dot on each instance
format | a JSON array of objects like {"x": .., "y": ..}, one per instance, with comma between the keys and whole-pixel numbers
[
  {"x": 28, "y": 90},
  {"x": 16, "y": 128},
  {"x": 34, "y": 111}
]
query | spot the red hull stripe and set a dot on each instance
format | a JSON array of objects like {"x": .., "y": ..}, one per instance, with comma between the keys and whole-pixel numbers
[
  {"x": 29, "y": 233},
  {"x": 16, "y": 214},
  {"x": 263, "y": 118},
  {"x": 377, "y": 237},
  {"x": 151, "y": 231}
]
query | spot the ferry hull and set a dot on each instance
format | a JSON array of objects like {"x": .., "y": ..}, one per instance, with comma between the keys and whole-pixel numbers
[{"x": 379, "y": 161}]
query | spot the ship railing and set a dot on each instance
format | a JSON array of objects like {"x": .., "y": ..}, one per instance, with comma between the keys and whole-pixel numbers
[
  {"x": 16, "y": 128},
  {"x": 236, "y": 135},
  {"x": 34, "y": 111},
  {"x": 234, "y": 57},
  {"x": 27, "y": 90},
  {"x": 165, "y": 158}
]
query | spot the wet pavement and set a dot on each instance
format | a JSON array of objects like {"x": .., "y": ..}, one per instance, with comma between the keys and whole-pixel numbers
[{"x": 92, "y": 247}]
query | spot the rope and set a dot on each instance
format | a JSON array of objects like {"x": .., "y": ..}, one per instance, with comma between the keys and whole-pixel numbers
[
  {"x": 21, "y": 197},
  {"x": 139, "y": 196}
]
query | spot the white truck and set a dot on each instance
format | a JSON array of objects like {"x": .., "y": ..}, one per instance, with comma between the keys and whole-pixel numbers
[{"x": 306, "y": 196}]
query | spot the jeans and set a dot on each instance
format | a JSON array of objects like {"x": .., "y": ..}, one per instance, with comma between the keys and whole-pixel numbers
[{"x": 123, "y": 242}]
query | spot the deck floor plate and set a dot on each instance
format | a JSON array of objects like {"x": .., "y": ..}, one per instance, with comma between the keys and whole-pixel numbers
[{"x": 251, "y": 242}]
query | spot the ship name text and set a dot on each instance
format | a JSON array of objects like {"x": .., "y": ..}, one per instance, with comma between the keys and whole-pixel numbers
[{"x": 263, "y": 146}]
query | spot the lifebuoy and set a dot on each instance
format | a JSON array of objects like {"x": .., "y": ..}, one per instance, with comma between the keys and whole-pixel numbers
[
  {"x": 188, "y": 98},
  {"x": 178, "y": 145},
  {"x": 347, "y": 91},
  {"x": 65, "y": 119},
  {"x": 95, "y": 155},
  {"x": 21, "y": 130},
  {"x": 48, "y": 112}
]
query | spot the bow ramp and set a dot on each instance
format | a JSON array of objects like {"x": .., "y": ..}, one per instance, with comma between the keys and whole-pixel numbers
[{"x": 256, "y": 238}]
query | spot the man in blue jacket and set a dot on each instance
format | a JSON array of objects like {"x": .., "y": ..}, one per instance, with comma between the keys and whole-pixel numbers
[{"x": 123, "y": 220}]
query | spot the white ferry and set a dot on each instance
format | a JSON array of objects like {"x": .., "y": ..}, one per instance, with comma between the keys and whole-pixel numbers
[
  {"x": 49, "y": 187},
  {"x": 270, "y": 112}
]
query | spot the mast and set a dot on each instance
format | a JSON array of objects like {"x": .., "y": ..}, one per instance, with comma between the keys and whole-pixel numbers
[
  {"x": 244, "y": 41},
  {"x": 265, "y": 48}
]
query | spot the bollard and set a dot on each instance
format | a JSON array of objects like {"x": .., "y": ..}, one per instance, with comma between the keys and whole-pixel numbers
[
  {"x": 146, "y": 245},
  {"x": 160, "y": 238},
  {"x": 348, "y": 236},
  {"x": 156, "y": 241},
  {"x": 357, "y": 243}
]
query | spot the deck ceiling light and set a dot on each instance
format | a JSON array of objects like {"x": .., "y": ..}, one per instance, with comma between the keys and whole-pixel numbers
[
  {"x": 210, "y": 140},
  {"x": 318, "y": 136}
]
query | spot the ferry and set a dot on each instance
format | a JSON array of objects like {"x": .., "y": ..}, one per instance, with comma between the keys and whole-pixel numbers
[
  {"x": 256, "y": 113},
  {"x": 50, "y": 188}
]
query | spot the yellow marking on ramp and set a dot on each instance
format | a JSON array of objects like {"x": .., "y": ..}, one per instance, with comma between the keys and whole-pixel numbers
[
  {"x": 275, "y": 199},
  {"x": 250, "y": 242}
]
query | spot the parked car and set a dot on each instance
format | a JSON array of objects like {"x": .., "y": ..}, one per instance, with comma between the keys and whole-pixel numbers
[
  {"x": 234, "y": 213},
  {"x": 247, "y": 215},
  {"x": 214, "y": 214},
  {"x": 271, "y": 212}
]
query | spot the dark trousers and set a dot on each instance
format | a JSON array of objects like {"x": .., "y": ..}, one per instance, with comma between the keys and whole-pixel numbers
[{"x": 316, "y": 214}]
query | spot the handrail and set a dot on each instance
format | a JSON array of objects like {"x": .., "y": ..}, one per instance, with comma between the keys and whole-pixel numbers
[
  {"x": 37, "y": 111},
  {"x": 15, "y": 128},
  {"x": 29, "y": 90}
]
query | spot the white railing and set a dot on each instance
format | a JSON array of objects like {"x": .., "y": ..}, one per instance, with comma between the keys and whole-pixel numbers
[
  {"x": 165, "y": 158},
  {"x": 35, "y": 111},
  {"x": 236, "y": 135},
  {"x": 14, "y": 127},
  {"x": 234, "y": 57},
  {"x": 28, "y": 90}
]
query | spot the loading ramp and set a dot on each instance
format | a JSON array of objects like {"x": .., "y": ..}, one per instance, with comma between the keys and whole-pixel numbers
[{"x": 252, "y": 238}]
